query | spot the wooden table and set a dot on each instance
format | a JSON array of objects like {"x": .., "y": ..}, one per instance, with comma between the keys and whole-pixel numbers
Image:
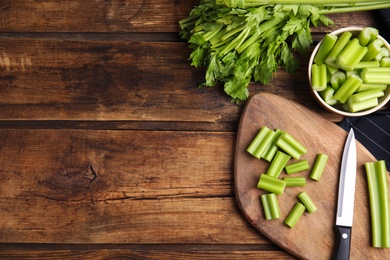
[{"x": 107, "y": 147}]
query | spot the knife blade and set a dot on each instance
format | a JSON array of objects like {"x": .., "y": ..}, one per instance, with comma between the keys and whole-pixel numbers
[{"x": 346, "y": 198}]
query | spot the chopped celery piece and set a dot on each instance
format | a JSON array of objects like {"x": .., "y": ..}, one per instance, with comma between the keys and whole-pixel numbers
[
  {"x": 348, "y": 88},
  {"x": 385, "y": 62},
  {"x": 359, "y": 106},
  {"x": 297, "y": 167},
  {"x": 271, "y": 184},
  {"x": 318, "y": 77},
  {"x": 367, "y": 35},
  {"x": 355, "y": 72},
  {"x": 337, "y": 79},
  {"x": 367, "y": 86},
  {"x": 327, "y": 96},
  {"x": 378, "y": 191},
  {"x": 318, "y": 167},
  {"x": 379, "y": 75},
  {"x": 366, "y": 95},
  {"x": 290, "y": 145},
  {"x": 384, "y": 53},
  {"x": 340, "y": 44},
  {"x": 261, "y": 142},
  {"x": 294, "y": 215},
  {"x": 351, "y": 55},
  {"x": 367, "y": 64},
  {"x": 277, "y": 164},
  {"x": 325, "y": 47},
  {"x": 295, "y": 181},
  {"x": 272, "y": 148},
  {"x": 270, "y": 206},
  {"x": 307, "y": 202},
  {"x": 373, "y": 49},
  {"x": 332, "y": 70}
]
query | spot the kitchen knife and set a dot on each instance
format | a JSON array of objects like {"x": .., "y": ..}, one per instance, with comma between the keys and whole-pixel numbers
[{"x": 346, "y": 197}]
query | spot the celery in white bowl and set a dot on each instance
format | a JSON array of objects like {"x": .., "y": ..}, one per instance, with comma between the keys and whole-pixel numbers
[{"x": 349, "y": 71}]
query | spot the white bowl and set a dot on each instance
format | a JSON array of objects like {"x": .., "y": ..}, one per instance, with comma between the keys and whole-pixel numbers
[{"x": 381, "y": 101}]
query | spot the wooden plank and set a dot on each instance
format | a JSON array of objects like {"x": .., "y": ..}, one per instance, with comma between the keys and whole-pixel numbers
[
  {"x": 86, "y": 186},
  {"x": 113, "y": 16},
  {"x": 164, "y": 253},
  {"x": 87, "y": 80}
]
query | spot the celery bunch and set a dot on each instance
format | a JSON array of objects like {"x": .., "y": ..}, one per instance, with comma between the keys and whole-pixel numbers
[{"x": 242, "y": 40}]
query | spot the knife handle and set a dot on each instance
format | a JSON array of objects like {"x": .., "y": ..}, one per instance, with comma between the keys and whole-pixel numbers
[{"x": 343, "y": 243}]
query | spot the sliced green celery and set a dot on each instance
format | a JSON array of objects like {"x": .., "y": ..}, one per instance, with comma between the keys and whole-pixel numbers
[
  {"x": 385, "y": 62},
  {"x": 373, "y": 49},
  {"x": 277, "y": 164},
  {"x": 290, "y": 145},
  {"x": 337, "y": 79},
  {"x": 348, "y": 88},
  {"x": 367, "y": 64},
  {"x": 272, "y": 148},
  {"x": 359, "y": 106},
  {"x": 379, "y": 75},
  {"x": 327, "y": 96},
  {"x": 325, "y": 47},
  {"x": 340, "y": 44},
  {"x": 351, "y": 55},
  {"x": 378, "y": 192},
  {"x": 367, "y": 35},
  {"x": 295, "y": 214},
  {"x": 318, "y": 77},
  {"x": 298, "y": 166},
  {"x": 307, "y": 202},
  {"x": 366, "y": 95},
  {"x": 318, "y": 167},
  {"x": 270, "y": 206},
  {"x": 271, "y": 184},
  {"x": 261, "y": 142},
  {"x": 384, "y": 53},
  {"x": 295, "y": 181},
  {"x": 367, "y": 86}
]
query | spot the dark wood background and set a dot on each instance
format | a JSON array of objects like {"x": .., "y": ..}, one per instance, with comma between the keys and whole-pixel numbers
[{"x": 107, "y": 147}]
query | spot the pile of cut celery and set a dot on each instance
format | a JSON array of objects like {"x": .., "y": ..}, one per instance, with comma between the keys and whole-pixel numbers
[{"x": 352, "y": 73}]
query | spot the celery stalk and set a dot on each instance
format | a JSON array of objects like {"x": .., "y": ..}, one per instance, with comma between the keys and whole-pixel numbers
[
  {"x": 261, "y": 142},
  {"x": 325, "y": 47},
  {"x": 351, "y": 55},
  {"x": 366, "y": 86},
  {"x": 272, "y": 148},
  {"x": 337, "y": 79},
  {"x": 318, "y": 77},
  {"x": 367, "y": 35},
  {"x": 373, "y": 49},
  {"x": 327, "y": 96},
  {"x": 385, "y": 62},
  {"x": 379, "y": 203},
  {"x": 307, "y": 202},
  {"x": 384, "y": 53},
  {"x": 367, "y": 64},
  {"x": 297, "y": 167},
  {"x": 366, "y": 95},
  {"x": 294, "y": 215},
  {"x": 270, "y": 206},
  {"x": 291, "y": 145},
  {"x": 340, "y": 44},
  {"x": 318, "y": 167},
  {"x": 379, "y": 75},
  {"x": 277, "y": 164},
  {"x": 271, "y": 184},
  {"x": 359, "y": 106},
  {"x": 348, "y": 88},
  {"x": 295, "y": 181}
]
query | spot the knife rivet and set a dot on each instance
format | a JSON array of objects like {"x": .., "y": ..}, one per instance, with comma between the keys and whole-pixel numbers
[{"x": 345, "y": 235}]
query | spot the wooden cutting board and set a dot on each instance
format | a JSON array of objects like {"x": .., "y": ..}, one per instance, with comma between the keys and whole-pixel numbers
[{"x": 313, "y": 235}]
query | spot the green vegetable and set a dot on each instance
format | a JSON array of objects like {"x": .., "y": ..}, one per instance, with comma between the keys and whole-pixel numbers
[
  {"x": 318, "y": 77},
  {"x": 379, "y": 75},
  {"x": 294, "y": 215},
  {"x": 277, "y": 164},
  {"x": 351, "y": 55},
  {"x": 238, "y": 41},
  {"x": 295, "y": 181},
  {"x": 367, "y": 64},
  {"x": 379, "y": 203},
  {"x": 348, "y": 88},
  {"x": 271, "y": 184},
  {"x": 270, "y": 206},
  {"x": 366, "y": 95},
  {"x": 326, "y": 46},
  {"x": 318, "y": 167},
  {"x": 261, "y": 142},
  {"x": 385, "y": 62},
  {"x": 327, "y": 96},
  {"x": 366, "y": 86},
  {"x": 297, "y": 167},
  {"x": 359, "y": 106},
  {"x": 290, "y": 145},
  {"x": 373, "y": 49},
  {"x": 337, "y": 79},
  {"x": 307, "y": 202},
  {"x": 272, "y": 148},
  {"x": 338, "y": 47},
  {"x": 367, "y": 35}
]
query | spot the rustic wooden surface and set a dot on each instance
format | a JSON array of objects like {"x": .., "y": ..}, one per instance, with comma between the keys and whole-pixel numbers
[{"x": 107, "y": 147}]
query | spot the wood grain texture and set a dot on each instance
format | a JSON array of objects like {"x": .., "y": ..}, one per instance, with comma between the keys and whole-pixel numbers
[{"x": 313, "y": 236}]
